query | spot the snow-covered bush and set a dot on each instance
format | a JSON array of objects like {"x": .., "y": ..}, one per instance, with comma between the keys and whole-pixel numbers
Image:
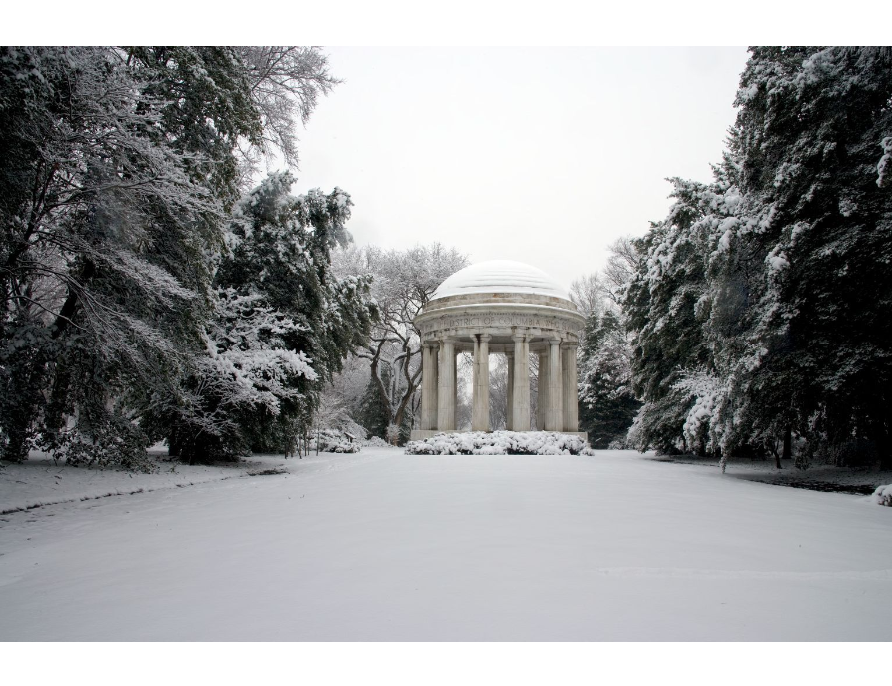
[
  {"x": 335, "y": 441},
  {"x": 375, "y": 442},
  {"x": 114, "y": 444},
  {"x": 500, "y": 443},
  {"x": 883, "y": 495}
]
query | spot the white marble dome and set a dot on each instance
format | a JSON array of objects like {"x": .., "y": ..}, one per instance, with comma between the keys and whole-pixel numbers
[{"x": 500, "y": 276}]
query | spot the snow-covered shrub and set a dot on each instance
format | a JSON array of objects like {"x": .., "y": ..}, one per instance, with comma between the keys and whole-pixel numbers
[
  {"x": 335, "y": 441},
  {"x": 883, "y": 495},
  {"x": 375, "y": 442},
  {"x": 500, "y": 443},
  {"x": 621, "y": 443},
  {"x": 114, "y": 444}
]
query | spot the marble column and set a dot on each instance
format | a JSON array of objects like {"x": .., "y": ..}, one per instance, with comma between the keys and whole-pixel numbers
[
  {"x": 429, "y": 386},
  {"x": 554, "y": 420},
  {"x": 435, "y": 383},
  {"x": 509, "y": 414},
  {"x": 446, "y": 387},
  {"x": 480, "y": 415},
  {"x": 455, "y": 388},
  {"x": 425, "y": 386},
  {"x": 571, "y": 388},
  {"x": 520, "y": 400},
  {"x": 543, "y": 402}
]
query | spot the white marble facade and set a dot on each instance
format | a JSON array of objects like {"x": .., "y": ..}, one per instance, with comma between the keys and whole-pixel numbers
[{"x": 508, "y": 308}]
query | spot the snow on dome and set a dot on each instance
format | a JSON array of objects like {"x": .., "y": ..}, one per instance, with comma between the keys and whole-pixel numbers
[{"x": 500, "y": 276}]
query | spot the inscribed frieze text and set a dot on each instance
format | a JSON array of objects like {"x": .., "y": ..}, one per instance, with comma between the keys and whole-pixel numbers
[{"x": 496, "y": 321}]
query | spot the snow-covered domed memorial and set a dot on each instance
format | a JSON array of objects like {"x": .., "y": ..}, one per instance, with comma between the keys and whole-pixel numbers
[{"x": 500, "y": 307}]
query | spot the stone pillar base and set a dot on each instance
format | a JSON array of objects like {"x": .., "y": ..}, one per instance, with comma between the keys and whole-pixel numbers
[{"x": 421, "y": 434}]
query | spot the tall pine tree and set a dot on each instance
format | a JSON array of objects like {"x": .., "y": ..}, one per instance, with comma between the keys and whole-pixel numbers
[{"x": 763, "y": 304}]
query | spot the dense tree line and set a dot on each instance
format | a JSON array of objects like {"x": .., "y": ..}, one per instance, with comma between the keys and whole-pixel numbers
[
  {"x": 146, "y": 294},
  {"x": 761, "y": 307}
]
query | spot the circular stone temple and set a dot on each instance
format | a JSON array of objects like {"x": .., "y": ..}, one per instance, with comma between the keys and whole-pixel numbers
[{"x": 500, "y": 307}]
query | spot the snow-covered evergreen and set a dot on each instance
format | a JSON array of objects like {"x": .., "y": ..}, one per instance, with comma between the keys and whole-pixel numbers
[
  {"x": 283, "y": 324},
  {"x": 607, "y": 403},
  {"x": 127, "y": 311},
  {"x": 762, "y": 306}
]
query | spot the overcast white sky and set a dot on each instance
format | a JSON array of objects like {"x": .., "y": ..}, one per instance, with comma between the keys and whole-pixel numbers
[{"x": 542, "y": 155}]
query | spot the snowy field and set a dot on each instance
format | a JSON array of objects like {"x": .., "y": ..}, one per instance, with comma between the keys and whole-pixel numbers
[{"x": 386, "y": 546}]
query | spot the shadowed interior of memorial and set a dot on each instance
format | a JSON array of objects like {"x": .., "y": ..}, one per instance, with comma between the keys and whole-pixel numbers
[{"x": 502, "y": 307}]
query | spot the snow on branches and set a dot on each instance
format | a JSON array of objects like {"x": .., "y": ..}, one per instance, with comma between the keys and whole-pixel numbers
[
  {"x": 762, "y": 305},
  {"x": 246, "y": 341},
  {"x": 885, "y": 163},
  {"x": 403, "y": 281}
]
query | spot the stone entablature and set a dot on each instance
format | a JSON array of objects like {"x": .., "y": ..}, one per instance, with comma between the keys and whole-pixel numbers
[
  {"x": 502, "y": 321},
  {"x": 421, "y": 434}
]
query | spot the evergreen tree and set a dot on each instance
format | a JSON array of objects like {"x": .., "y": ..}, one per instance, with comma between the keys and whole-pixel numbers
[
  {"x": 661, "y": 307},
  {"x": 763, "y": 304},
  {"x": 405, "y": 429},
  {"x": 374, "y": 415},
  {"x": 283, "y": 326},
  {"x": 606, "y": 402},
  {"x": 812, "y": 122},
  {"x": 105, "y": 227},
  {"x": 121, "y": 169}
]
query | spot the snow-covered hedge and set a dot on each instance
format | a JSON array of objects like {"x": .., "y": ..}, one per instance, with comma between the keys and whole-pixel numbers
[
  {"x": 335, "y": 441},
  {"x": 500, "y": 443},
  {"x": 883, "y": 495}
]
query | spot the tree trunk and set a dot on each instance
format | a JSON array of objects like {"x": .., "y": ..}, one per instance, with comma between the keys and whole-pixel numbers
[
  {"x": 63, "y": 319},
  {"x": 57, "y": 406},
  {"x": 16, "y": 448},
  {"x": 30, "y": 396},
  {"x": 884, "y": 451},
  {"x": 28, "y": 383},
  {"x": 788, "y": 446},
  {"x": 174, "y": 448}
]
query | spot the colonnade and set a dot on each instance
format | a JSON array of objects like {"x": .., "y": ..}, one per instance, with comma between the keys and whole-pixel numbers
[{"x": 558, "y": 400}]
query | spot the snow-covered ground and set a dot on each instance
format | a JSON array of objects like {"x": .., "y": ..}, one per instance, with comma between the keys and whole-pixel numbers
[
  {"x": 817, "y": 477},
  {"x": 386, "y": 546},
  {"x": 42, "y": 481}
]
